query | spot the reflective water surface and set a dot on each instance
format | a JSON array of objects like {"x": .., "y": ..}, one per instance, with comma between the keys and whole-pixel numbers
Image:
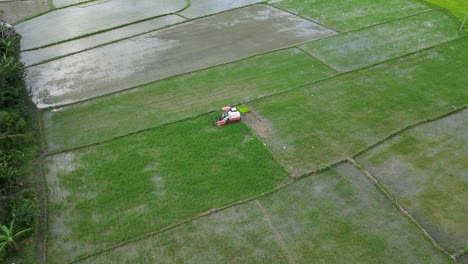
[{"x": 171, "y": 51}]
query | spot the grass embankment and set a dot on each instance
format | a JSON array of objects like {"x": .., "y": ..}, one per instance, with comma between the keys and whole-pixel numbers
[
  {"x": 125, "y": 188},
  {"x": 179, "y": 97},
  {"x": 346, "y": 15},
  {"x": 326, "y": 122},
  {"x": 347, "y": 52},
  {"x": 425, "y": 170},
  {"x": 337, "y": 216}
]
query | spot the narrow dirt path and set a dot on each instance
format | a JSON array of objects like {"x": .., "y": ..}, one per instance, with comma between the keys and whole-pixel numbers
[{"x": 277, "y": 235}]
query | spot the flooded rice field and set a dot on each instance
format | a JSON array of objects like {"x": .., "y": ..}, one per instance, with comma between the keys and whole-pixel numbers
[
  {"x": 74, "y": 46},
  {"x": 171, "y": 51},
  {"x": 72, "y": 22}
]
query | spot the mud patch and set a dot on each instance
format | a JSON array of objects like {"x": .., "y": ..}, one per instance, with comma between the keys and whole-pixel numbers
[{"x": 260, "y": 125}]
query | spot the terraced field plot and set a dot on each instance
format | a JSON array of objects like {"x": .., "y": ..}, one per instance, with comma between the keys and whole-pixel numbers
[
  {"x": 179, "y": 97},
  {"x": 68, "y": 23},
  {"x": 347, "y": 52},
  {"x": 344, "y": 15},
  {"x": 321, "y": 124},
  {"x": 146, "y": 182},
  {"x": 74, "y": 46},
  {"x": 334, "y": 217},
  {"x": 180, "y": 49},
  {"x": 425, "y": 169},
  {"x": 138, "y": 150}
]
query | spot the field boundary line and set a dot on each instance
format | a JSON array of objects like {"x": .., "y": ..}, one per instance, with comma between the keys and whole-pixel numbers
[
  {"x": 305, "y": 18},
  {"x": 103, "y": 30},
  {"x": 324, "y": 63},
  {"x": 395, "y": 202},
  {"x": 408, "y": 127},
  {"x": 182, "y": 222},
  {"x": 275, "y": 231},
  {"x": 99, "y": 45}
]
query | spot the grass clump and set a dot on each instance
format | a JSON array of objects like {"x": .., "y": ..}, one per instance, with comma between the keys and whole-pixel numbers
[{"x": 151, "y": 180}]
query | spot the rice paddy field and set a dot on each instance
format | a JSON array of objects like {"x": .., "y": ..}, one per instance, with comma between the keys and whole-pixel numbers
[{"x": 354, "y": 149}]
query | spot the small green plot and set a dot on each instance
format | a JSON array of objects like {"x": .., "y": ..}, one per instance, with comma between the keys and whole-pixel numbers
[
  {"x": 425, "y": 169},
  {"x": 324, "y": 123},
  {"x": 180, "y": 97},
  {"x": 373, "y": 45},
  {"x": 116, "y": 191},
  {"x": 345, "y": 15}
]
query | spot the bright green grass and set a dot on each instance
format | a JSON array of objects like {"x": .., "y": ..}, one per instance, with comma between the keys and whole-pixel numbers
[
  {"x": 345, "y": 15},
  {"x": 334, "y": 217},
  {"x": 324, "y": 123},
  {"x": 179, "y": 97},
  {"x": 425, "y": 169},
  {"x": 458, "y": 8},
  {"x": 373, "y": 45},
  {"x": 122, "y": 189}
]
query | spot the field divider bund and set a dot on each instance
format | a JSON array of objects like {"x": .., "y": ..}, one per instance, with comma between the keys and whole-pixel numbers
[
  {"x": 395, "y": 202},
  {"x": 275, "y": 232}
]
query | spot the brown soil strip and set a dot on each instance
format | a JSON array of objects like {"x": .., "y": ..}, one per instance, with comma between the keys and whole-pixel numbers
[
  {"x": 277, "y": 235},
  {"x": 397, "y": 204},
  {"x": 261, "y": 126}
]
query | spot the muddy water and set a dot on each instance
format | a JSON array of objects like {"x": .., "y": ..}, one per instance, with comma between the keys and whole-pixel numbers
[
  {"x": 71, "y": 22},
  {"x": 199, "y": 8},
  {"x": 179, "y": 49},
  {"x": 60, "y": 50}
]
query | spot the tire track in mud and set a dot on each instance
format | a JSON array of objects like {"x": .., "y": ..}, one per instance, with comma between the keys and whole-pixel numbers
[{"x": 275, "y": 231}]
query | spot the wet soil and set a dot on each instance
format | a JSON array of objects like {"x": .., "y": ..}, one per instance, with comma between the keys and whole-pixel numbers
[
  {"x": 17, "y": 10},
  {"x": 175, "y": 50}
]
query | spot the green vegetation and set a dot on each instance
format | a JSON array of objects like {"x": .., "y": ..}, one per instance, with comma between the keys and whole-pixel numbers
[
  {"x": 346, "y": 52},
  {"x": 324, "y": 123},
  {"x": 179, "y": 97},
  {"x": 345, "y": 15},
  {"x": 9, "y": 237},
  {"x": 16, "y": 146},
  {"x": 456, "y": 7},
  {"x": 333, "y": 217},
  {"x": 150, "y": 180},
  {"x": 431, "y": 184}
]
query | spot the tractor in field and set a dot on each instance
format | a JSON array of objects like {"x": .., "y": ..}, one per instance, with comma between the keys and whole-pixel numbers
[{"x": 230, "y": 115}]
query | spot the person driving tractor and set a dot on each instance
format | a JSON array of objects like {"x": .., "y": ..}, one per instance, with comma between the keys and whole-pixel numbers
[{"x": 231, "y": 115}]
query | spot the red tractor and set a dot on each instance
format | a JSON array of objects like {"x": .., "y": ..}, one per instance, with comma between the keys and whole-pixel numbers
[{"x": 231, "y": 114}]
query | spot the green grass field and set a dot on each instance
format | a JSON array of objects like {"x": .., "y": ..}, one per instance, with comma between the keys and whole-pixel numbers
[
  {"x": 125, "y": 188},
  {"x": 120, "y": 168},
  {"x": 326, "y": 122},
  {"x": 346, "y": 52},
  {"x": 416, "y": 169},
  {"x": 346, "y": 15},
  {"x": 180, "y": 97},
  {"x": 334, "y": 217}
]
